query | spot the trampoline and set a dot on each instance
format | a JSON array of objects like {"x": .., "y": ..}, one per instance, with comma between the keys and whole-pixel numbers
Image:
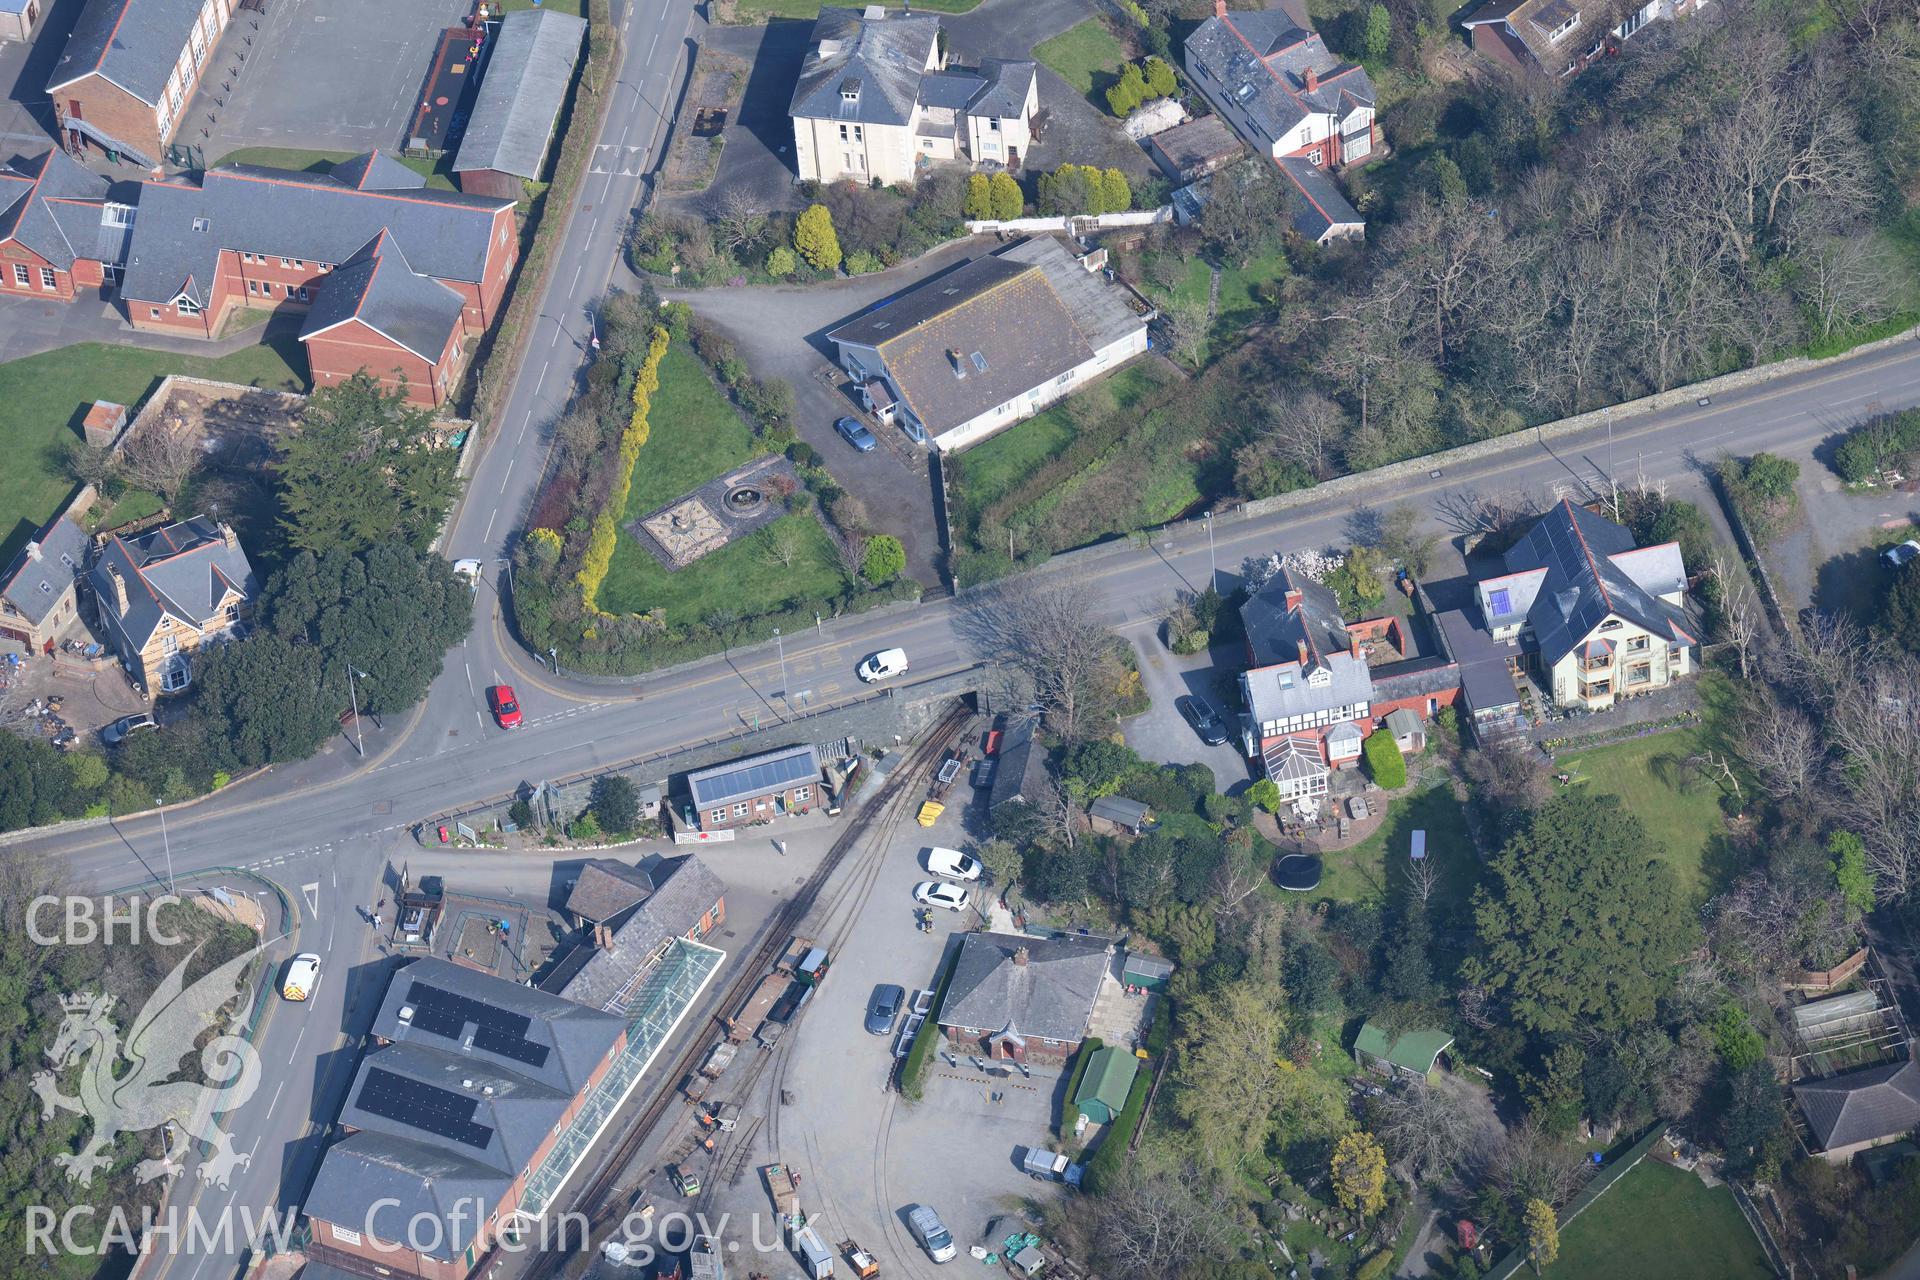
[{"x": 1297, "y": 873}]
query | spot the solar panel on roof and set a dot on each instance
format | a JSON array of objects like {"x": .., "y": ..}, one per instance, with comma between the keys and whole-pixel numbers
[
  {"x": 444, "y": 1113},
  {"x": 500, "y": 1031}
]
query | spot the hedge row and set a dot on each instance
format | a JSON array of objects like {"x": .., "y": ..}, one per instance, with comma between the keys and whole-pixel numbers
[
  {"x": 914, "y": 1070},
  {"x": 599, "y": 555},
  {"x": 1088, "y": 1047}
]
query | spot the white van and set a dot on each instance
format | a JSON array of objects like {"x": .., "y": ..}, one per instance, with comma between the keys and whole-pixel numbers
[
  {"x": 931, "y": 1233},
  {"x": 883, "y": 665}
]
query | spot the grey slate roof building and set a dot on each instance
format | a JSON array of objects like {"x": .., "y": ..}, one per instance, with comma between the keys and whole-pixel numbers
[
  {"x": 133, "y": 43},
  {"x": 865, "y": 72},
  {"x": 477, "y": 1016},
  {"x": 606, "y": 888},
  {"x": 1289, "y": 610},
  {"x": 995, "y": 330},
  {"x": 753, "y": 776},
  {"x": 314, "y": 217},
  {"x": 1862, "y": 1108},
  {"x": 1125, "y": 814},
  {"x": 1572, "y": 571},
  {"x": 377, "y": 286},
  {"x": 1011, "y": 990},
  {"x": 57, "y": 210},
  {"x": 1272, "y": 72},
  {"x": 521, "y": 94},
  {"x": 1319, "y": 212},
  {"x": 1021, "y": 774},
  {"x": 375, "y": 1183},
  {"x": 191, "y": 575},
  {"x": 686, "y": 893},
  {"x": 42, "y": 574}
]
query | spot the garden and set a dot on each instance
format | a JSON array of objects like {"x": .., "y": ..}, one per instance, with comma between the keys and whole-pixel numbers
[
  {"x": 1678, "y": 804},
  {"x": 1660, "y": 1221},
  {"x": 670, "y": 419}
]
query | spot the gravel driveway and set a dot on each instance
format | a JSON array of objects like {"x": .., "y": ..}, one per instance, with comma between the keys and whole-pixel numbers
[
  {"x": 1161, "y": 734},
  {"x": 779, "y": 330}
]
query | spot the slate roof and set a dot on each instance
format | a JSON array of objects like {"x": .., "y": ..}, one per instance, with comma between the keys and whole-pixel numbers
[
  {"x": 521, "y": 94},
  {"x": 604, "y": 888},
  {"x": 1862, "y": 1106},
  {"x": 752, "y": 776},
  {"x": 1319, "y": 212},
  {"x": 1200, "y": 146},
  {"x": 1258, "y": 60},
  {"x": 881, "y": 60},
  {"x": 419, "y": 1182},
  {"x": 133, "y": 43},
  {"x": 1286, "y": 689},
  {"x": 313, "y": 217},
  {"x": 506, "y": 1116},
  {"x": 1573, "y": 569},
  {"x": 1482, "y": 663},
  {"x": 377, "y": 171},
  {"x": 576, "y": 1039},
  {"x": 1526, "y": 27},
  {"x": 377, "y": 286},
  {"x": 1006, "y": 87},
  {"x": 35, "y": 582},
  {"x": 183, "y": 570},
  {"x": 1021, "y": 773},
  {"x": 1414, "y": 678},
  {"x": 685, "y": 890},
  {"x": 1050, "y": 996},
  {"x": 1017, "y": 320},
  {"x": 1290, "y": 608},
  {"x": 51, "y": 205},
  {"x": 1119, "y": 809}
]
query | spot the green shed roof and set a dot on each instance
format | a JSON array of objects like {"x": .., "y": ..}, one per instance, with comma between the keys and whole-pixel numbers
[
  {"x": 1108, "y": 1078},
  {"x": 1413, "y": 1050}
]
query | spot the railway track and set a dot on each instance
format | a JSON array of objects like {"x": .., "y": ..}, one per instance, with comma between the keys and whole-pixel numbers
[{"x": 598, "y": 1199}]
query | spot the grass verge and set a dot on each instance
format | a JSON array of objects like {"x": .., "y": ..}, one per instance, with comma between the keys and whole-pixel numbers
[{"x": 913, "y": 1072}]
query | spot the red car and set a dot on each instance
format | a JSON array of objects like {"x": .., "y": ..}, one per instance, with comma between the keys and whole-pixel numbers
[{"x": 505, "y": 707}]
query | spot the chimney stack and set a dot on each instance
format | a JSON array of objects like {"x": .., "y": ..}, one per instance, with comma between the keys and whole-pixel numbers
[
  {"x": 1313, "y": 80},
  {"x": 1353, "y": 642},
  {"x": 1020, "y": 956},
  {"x": 1302, "y": 645},
  {"x": 119, "y": 588},
  {"x": 33, "y": 550},
  {"x": 1219, "y": 8}
]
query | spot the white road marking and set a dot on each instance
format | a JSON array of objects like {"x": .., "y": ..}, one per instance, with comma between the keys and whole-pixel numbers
[
  {"x": 276, "y": 1096},
  {"x": 312, "y": 894},
  {"x": 296, "y": 1044},
  {"x": 490, "y": 520}
]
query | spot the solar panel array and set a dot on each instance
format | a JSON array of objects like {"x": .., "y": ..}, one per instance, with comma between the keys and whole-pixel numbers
[
  {"x": 445, "y": 1113},
  {"x": 497, "y": 1031}
]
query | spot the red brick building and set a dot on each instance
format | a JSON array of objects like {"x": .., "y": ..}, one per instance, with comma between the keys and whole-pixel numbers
[
  {"x": 129, "y": 69},
  {"x": 394, "y": 277},
  {"x": 59, "y": 233}
]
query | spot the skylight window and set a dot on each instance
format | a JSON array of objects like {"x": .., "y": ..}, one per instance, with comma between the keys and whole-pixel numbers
[
  {"x": 979, "y": 362},
  {"x": 201, "y": 224},
  {"x": 1500, "y": 600}
]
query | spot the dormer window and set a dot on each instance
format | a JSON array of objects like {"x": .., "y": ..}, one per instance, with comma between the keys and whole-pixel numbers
[{"x": 1319, "y": 677}]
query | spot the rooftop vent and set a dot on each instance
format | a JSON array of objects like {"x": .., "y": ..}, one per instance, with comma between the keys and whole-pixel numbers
[
  {"x": 405, "y": 1014},
  {"x": 201, "y": 224}
]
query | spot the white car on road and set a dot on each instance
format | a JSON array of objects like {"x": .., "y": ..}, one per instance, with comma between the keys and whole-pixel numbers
[
  {"x": 952, "y": 864},
  {"x": 882, "y": 665},
  {"x": 935, "y": 894}
]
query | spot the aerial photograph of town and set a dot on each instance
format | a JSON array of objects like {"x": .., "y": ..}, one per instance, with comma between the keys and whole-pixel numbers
[{"x": 1001, "y": 639}]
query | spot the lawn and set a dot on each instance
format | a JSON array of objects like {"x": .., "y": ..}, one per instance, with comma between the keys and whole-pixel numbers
[
  {"x": 438, "y": 173},
  {"x": 1681, "y": 811},
  {"x": 740, "y": 578},
  {"x": 1086, "y": 56},
  {"x": 1660, "y": 1221},
  {"x": 44, "y": 397},
  {"x": 695, "y": 435},
  {"x": 1367, "y": 871},
  {"x": 992, "y": 469},
  {"x": 1240, "y": 303},
  {"x": 761, "y": 10}
]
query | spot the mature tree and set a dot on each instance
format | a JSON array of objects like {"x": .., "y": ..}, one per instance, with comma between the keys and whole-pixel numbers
[
  {"x": 1543, "y": 1235},
  {"x": 615, "y": 803},
  {"x": 1047, "y": 628},
  {"x": 779, "y": 544},
  {"x": 1151, "y": 1222},
  {"x": 1001, "y": 860},
  {"x": 90, "y": 464},
  {"x": 1429, "y": 1130},
  {"x": 1359, "y": 1172},
  {"x": 264, "y": 701},
  {"x": 815, "y": 239},
  {"x": 979, "y": 202},
  {"x": 1526, "y": 1164},
  {"x": 1185, "y": 321},
  {"x": 1579, "y": 925},
  {"x": 1008, "y": 201},
  {"x": 36, "y": 787},
  {"x": 389, "y": 612},
  {"x": 1246, "y": 212},
  {"x": 1299, "y": 443},
  {"x": 1312, "y": 975},
  {"x": 885, "y": 559},
  {"x": 363, "y": 468},
  {"x": 1753, "y": 1128},
  {"x": 1554, "y": 1092},
  {"x": 159, "y": 458},
  {"x": 1409, "y": 972},
  {"x": 1782, "y": 746},
  {"x": 1231, "y": 1076},
  {"x": 736, "y": 218}
]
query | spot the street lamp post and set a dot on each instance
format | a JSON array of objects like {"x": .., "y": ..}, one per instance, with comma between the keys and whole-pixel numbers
[
  {"x": 167, "y": 845},
  {"x": 359, "y": 741},
  {"x": 1213, "y": 569},
  {"x": 781, "y": 645}
]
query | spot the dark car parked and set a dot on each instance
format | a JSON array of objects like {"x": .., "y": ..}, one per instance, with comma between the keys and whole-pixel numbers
[
  {"x": 883, "y": 1010},
  {"x": 1205, "y": 720}
]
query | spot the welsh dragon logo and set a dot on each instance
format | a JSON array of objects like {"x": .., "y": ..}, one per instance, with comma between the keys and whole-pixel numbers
[{"x": 132, "y": 1101}]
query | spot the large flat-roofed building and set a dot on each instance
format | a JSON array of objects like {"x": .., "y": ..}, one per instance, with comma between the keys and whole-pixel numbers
[
  {"x": 965, "y": 354},
  {"x": 129, "y": 69},
  {"x": 519, "y": 102}
]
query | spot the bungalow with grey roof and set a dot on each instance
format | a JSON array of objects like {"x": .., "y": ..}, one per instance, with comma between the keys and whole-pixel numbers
[
  {"x": 167, "y": 593},
  {"x": 753, "y": 789},
  {"x": 1024, "y": 998}
]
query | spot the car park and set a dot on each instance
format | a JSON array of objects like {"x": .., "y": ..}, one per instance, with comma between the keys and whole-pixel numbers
[
  {"x": 117, "y": 732},
  {"x": 883, "y": 665},
  {"x": 1206, "y": 722},
  {"x": 933, "y": 893},
  {"x": 505, "y": 707},
  {"x": 883, "y": 1008},
  {"x": 855, "y": 433},
  {"x": 952, "y": 864},
  {"x": 303, "y": 977}
]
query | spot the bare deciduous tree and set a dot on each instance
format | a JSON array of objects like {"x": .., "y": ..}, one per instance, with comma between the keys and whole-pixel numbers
[
  {"x": 1429, "y": 1130},
  {"x": 736, "y": 218},
  {"x": 1783, "y": 748},
  {"x": 1154, "y": 1222},
  {"x": 1047, "y": 627},
  {"x": 1422, "y": 876},
  {"x": 160, "y": 459},
  {"x": 1739, "y": 611},
  {"x": 779, "y": 544}
]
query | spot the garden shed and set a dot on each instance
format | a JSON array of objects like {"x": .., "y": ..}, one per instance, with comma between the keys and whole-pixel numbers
[
  {"x": 1104, "y": 1086},
  {"x": 1117, "y": 816},
  {"x": 1150, "y": 972},
  {"x": 1414, "y": 1051}
]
